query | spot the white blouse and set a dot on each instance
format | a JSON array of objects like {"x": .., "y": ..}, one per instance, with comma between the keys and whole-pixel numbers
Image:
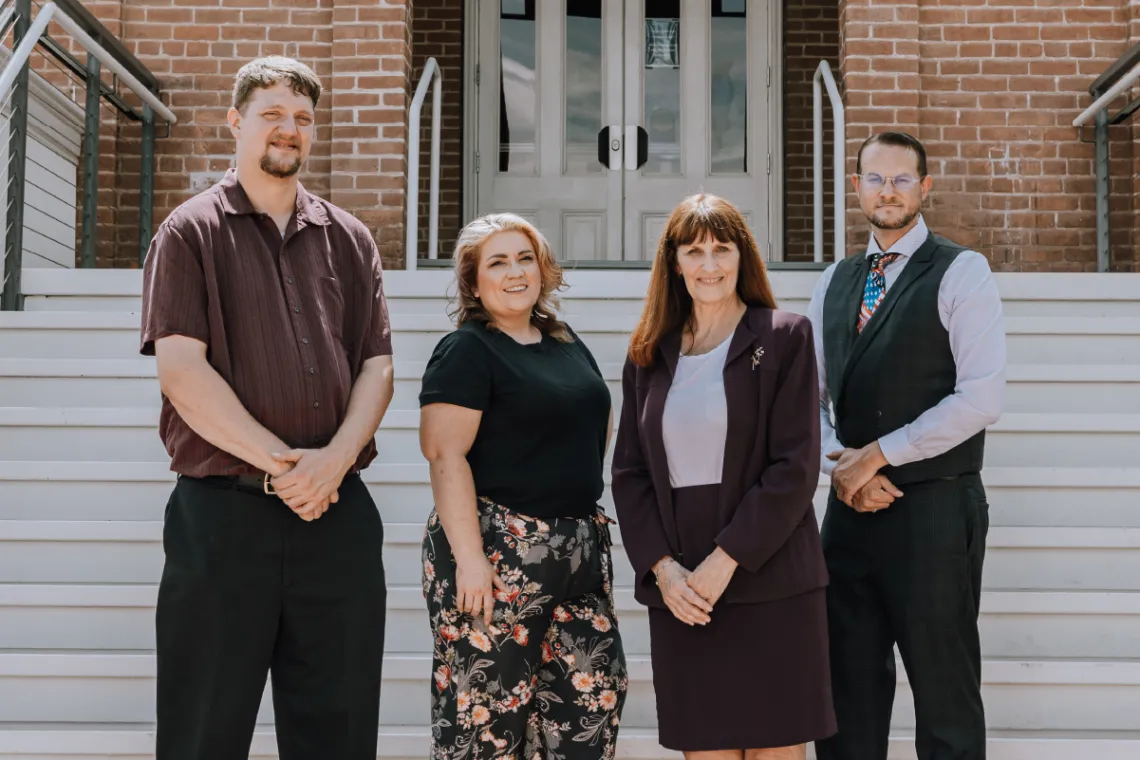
[{"x": 695, "y": 421}]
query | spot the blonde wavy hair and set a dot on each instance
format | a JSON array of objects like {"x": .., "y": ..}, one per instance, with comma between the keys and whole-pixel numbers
[{"x": 469, "y": 253}]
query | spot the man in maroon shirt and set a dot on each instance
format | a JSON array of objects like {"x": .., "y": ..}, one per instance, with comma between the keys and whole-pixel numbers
[{"x": 264, "y": 307}]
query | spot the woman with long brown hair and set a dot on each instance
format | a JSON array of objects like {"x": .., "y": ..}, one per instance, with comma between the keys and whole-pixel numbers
[
  {"x": 515, "y": 422},
  {"x": 716, "y": 463}
]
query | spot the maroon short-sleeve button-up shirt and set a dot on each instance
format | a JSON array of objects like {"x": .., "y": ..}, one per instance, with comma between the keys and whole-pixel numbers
[{"x": 288, "y": 321}]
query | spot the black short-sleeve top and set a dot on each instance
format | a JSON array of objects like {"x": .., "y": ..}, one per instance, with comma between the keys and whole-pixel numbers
[{"x": 542, "y": 438}]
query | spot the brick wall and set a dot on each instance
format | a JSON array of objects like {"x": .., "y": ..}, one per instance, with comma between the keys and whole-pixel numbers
[
  {"x": 361, "y": 49},
  {"x": 1134, "y": 227},
  {"x": 811, "y": 34},
  {"x": 992, "y": 91},
  {"x": 437, "y": 31}
]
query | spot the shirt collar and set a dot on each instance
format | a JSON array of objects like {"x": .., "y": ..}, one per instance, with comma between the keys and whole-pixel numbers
[
  {"x": 235, "y": 201},
  {"x": 907, "y": 244}
]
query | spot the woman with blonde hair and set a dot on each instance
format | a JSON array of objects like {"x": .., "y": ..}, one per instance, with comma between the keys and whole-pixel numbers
[
  {"x": 515, "y": 422},
  {"x": 716, "y": 463}
]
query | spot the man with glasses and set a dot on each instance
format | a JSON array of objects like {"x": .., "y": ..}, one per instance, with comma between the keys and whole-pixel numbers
[{"x": 910, "y": 344}]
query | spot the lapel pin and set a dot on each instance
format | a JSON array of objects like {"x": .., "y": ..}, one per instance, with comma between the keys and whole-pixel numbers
[{"x": 756, "y": 356}]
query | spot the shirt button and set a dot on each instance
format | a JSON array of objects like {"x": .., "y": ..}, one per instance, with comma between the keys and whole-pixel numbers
[
  {"x": 305, "y": 341},
  {"x": 316, "y": 404},
  {"x": 312, "y": 370},
  {"x": 289, "y": 280},
  {"x": 297, "y": 309}
]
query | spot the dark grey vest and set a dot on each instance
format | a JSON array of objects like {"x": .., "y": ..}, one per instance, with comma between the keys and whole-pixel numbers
[{"x": 900, "y": 365}]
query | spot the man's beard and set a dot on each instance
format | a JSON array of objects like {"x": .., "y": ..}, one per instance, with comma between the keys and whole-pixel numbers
[
  {"x": 280, "y": 169},
  {"x": 902, "y": 222}
]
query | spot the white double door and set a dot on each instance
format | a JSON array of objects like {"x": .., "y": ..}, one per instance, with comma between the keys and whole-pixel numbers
[{"x": 595, "y": 117}]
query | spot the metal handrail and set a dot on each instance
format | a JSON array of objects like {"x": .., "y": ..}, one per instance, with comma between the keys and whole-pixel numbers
[
  {"x": 1113, "y": 83},
  {"x": 31, "y": 32},
  {"x": 52, "y": 12},
  {"x": 6, "y": 18},
  {"x": 432, "y": 74},
  {"x": 823, "y": 76},
  {"x": 1110, "y": 95}
]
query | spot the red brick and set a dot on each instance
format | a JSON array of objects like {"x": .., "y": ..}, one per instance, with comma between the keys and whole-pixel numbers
[{"x": 990, "y": 85}]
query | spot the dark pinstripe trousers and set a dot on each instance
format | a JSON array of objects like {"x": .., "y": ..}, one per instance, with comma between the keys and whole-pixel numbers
[
  {"x": 249, "y": 589},
  {"x": 909, "y": 575}
]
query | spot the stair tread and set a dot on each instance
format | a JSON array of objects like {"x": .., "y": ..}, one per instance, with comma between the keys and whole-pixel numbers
[
  {"x": 427, "y": 283},
  {"x": 583, "y": 323},
  {"x": 405, "y": 532},
  {"x": 410, "y": 597},
  {"x": 409, "y": 419},
  {"x": 416, "y": 473},
  {"x": 411, "y": 369},
  {"x": 123, "y": 663}
]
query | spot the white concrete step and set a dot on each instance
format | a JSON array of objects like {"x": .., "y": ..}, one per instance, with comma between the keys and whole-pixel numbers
[
  {"x": 1020, "y": 694},
  {"x": 1073, "y": 388},
  {"x": 81, "y": 335},
  {"x": 131, "y": 434},
  {"x": 92, "y": 490},
  {"x": 423, "y": 292},
  {"x": 97, "y": 617},
  {"x": 80, "y": 382},
  {"x": 67, "y": 552},
  {"x": 77, "y": 741},
  {"x": 1053, "y": 388},
  {"x": 1024, "y": 294}
]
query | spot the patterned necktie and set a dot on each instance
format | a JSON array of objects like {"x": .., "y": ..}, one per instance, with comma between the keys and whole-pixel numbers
[{"x": 876, "y": 286}]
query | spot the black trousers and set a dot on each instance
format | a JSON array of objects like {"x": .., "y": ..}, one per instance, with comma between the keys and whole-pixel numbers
[
  {"x": 909, "y": 575},
  {"x": 250, "y": 589}
]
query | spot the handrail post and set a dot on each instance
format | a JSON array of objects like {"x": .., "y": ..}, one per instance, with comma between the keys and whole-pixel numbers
[
  {"x": 90, "y": 164},
  {"x": 824, "y": 77},
  {"x": 1110, "y": 85},
  {"x": 431, "y": 75},
  {"x": 433, "y": 190},
  {"x": 146, "y": 184},
  {"x": 12, "y": 297},
  {"x": 817, "y": 166},
  {"x": 1103, "y": 217}
]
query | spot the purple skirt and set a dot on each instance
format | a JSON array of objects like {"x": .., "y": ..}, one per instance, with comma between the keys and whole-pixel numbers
[{"x": 758, "y": 675}]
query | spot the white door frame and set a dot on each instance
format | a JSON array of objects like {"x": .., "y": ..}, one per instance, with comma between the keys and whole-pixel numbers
[{"x": 472, "y": 80}]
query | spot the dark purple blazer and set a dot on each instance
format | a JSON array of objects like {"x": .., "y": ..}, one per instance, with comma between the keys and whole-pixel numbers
[{"x": 765, "y": 519}]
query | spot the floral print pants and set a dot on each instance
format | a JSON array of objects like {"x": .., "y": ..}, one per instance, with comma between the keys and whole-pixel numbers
[{"x": 547, "y": 679}]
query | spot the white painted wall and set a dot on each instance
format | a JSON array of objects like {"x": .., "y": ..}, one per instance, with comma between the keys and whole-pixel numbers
[{"x": 54, "y": 147}]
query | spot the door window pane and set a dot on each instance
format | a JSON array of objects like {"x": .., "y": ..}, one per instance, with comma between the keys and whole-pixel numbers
[
  {"x": 661, "y": 86},
  {"x": 518, "y": 87},
  {"x": 728, "y": 88},
  {"x": 582, "y": 75}
]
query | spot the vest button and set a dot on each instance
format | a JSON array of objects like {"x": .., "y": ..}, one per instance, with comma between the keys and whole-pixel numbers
[{"x": 878, "y": 414}]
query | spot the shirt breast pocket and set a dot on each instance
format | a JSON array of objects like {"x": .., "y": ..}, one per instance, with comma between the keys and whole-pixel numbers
[{"x": 331, "y": 300}]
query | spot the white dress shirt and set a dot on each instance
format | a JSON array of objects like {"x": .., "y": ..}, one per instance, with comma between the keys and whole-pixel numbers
[{"x": 970, "y": 309}]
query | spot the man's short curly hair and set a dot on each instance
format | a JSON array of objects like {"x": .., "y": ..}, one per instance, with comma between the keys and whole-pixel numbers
[{"x": 264, "y": 73}]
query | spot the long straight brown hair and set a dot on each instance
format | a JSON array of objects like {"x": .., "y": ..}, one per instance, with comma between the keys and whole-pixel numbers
[{"x": 668, "y": 305}]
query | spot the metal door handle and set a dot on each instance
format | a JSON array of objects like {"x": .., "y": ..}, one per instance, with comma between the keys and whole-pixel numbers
[
  {"x": 609, "y": 147},
  {"x": 637, "y": 147}
]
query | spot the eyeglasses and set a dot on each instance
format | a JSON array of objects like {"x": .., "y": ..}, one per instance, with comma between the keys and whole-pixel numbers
[{"x": 902, "y": 182}]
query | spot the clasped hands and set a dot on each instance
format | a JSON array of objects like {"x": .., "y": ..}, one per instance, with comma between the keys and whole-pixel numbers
[
  {"x": 307, "y": 479},
  {"x": 857, "y": 480},
  {"x": 690, "y": 595}
]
